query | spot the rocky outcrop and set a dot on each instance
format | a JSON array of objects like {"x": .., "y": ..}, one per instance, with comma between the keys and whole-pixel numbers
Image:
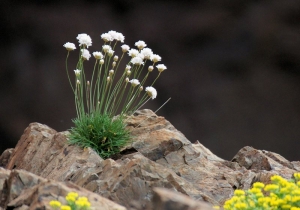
[
  {"x": 24, "y": 190},
  {"x": 159, "y": 156}
]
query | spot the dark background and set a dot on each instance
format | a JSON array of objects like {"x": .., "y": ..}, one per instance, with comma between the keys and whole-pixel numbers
[{"x": 233, "y": 66}]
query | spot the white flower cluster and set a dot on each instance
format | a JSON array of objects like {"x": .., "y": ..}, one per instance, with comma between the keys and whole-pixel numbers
[{"x": 138, "y": 56}]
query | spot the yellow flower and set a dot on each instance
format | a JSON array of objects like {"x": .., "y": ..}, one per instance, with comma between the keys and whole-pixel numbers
[
  {"x": 255, "y": 190},
  {"x": 73, "y": 194},
  {"x": 258, "y": 185},
  {"x": 297, "y": 176},
  {"x": 239, "y": 192},
  {"x": 65, "y": 208},
  {"x": 55, "y": 204},
  {"x": 240, "y": 205},
  {"x": 70, "y": 198},
  {"x": 286, "y": 206},
  {"x": 295, "y": 199},
  {"x": 271, "y": 187},
  {"x": 296, "y": 192}
]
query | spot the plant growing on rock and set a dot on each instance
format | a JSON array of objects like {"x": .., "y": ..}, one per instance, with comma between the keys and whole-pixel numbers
[
  {"x": 280, "y": 194},
  {"x": 112, "y": 93},
  {"x": 73, "y": 202}
]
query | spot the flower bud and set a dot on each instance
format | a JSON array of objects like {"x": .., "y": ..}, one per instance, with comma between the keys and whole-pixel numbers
[
  {"x": 78, "y": 82},
  {"x": 150, "y": 68},
  {"x": 128, "y": 72},
  {"x": 111, "y": 72},
  {"x": 114, "y": 64},
  {"x": 116, "y": 58},
  {"x": 127, "y": 80},
  {"x": 101, "y": 61},
  {"x": 128, "y": 67},
  {"x": 141, "y": 88},
  {"x": 110, "y": 52},
  {"x": 88, "y": 83},
  {"x": 108, "y": 79}
]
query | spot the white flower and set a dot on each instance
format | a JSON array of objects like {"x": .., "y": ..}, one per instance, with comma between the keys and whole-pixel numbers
[
  {"x": 151, "y": 92},
  {"x": 134, "y": 82},
  {"x": 111, "y": 72},
  {"x": 161, "y": 67},
  {"x": 127, "y": 79},
  {"x": 113, "y": 34},
  {"x": 85, "y": 54},
  {"x": 69, "y": 46},
  {"x": 98, "y": 55},
  {"x": 155, "y": 58},
  {"x": 110, "y": 52},
  {"x": 106, "y": 48},
  {"x": 125, "y": 48},
  {"x": 106, "y": 37},
  {"x": 114, "y": 64},
  {"x": 77, "y": 72},
  {"x": 128, "y": 72},
  {"x": 140, "y": 44},
  {"x": 116, "y": 58},
  {"x": 141, "y": 56},
  {"x": 120, "y": 37},
  {"x": 101, "y": 61},
  {"x": 84, "y": 40},
  {"x": 128, "y": 67},
  {"x": 147, "y": 52},
  {"x": 137, "y": 61},
  {"x": 150, "y": 68},
  {"x": 133, "y": 53}
]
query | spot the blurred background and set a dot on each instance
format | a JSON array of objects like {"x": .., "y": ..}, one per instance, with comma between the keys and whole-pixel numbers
[{"x": 233, "y": 66}]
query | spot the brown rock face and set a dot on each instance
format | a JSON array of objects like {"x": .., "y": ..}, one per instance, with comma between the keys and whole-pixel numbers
[
  {"x": 24, "y": 190},
  {"x": 158, "y": 156}
]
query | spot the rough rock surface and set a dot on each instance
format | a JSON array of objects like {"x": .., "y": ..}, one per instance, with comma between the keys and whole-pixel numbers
[
  {"x": 24, "y": 190},
  {"x": 158, "y": 156}
]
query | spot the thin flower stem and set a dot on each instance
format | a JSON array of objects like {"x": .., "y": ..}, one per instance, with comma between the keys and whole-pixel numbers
[{"x": 68, "y": 71}]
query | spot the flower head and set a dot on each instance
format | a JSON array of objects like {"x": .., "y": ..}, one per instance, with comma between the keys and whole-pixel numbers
[
  {"x": 147, "y": 52},
  {"x": 134, "y": 82},
  {"x": 140, "y": 44},
  {"x": 150, "y": 68},
  {"x": 125, "y": 48},
  {"x": 161, "y": 67},
  {"x": 155, "y": 58},
  {"x": 55, "y": 204},
  {"x": 106, "y": 37},
  {"x": 133, "y": 52},
  {"x": 85, "y": 54},
  {"x": 151, "y": 91},
  {"x": 106, "y": 48},
  {"x": 69, "y": 46},
  {"x": 137, "y": 61},
  {"x": 98, "y": 55},
  {"x": 77, "y": 72},
  {"x": 65, "y": 208},
  {"x": 110, "y": 52},
  {"x": 84, "y": 40},
  {"x": 120, "y": 37}
]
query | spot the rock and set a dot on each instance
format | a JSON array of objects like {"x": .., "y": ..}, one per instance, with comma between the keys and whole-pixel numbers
[
  {"x": 5, "y": 156},
  {"x": 158, "y": 156},
  {"x": 25, "y": 190},
  {"x": 168, "y": 200}
]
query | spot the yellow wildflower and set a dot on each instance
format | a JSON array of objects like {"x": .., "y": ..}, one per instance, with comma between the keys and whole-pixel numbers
[
  {"x": 55, "y": 204},
  {"x": 65, "y": 208}
]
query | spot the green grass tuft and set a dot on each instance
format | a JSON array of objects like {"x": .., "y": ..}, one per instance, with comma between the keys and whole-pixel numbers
[{"x": 104, "y": 134}]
